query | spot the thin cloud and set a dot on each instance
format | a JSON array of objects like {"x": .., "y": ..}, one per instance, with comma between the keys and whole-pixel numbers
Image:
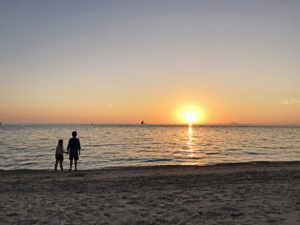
[{"x": 291, "y": 101}]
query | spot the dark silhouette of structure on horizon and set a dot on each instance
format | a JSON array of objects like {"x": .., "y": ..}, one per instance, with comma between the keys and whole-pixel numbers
[
  {"x": 142, "y": 122},
  {"x": 234, "y": 123}
]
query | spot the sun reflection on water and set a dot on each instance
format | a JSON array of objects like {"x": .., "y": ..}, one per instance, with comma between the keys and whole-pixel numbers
[{"x": 190, "y": 141}]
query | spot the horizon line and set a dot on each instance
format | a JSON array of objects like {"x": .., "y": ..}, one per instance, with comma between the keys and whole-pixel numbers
[{"x": 166, "y": 124}]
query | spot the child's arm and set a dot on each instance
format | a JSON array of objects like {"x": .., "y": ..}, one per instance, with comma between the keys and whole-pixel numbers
[
  {"x": 68, "y": 148},
  {"x": 79, "y": 146}
]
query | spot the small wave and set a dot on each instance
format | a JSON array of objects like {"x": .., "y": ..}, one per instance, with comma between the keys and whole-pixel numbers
[
  {"x": 20, "y": 160},
  {"x": 158, "y": 160},
  {"x": 234, "y": 149},
  {"x": 266, "y": 147},
  {"x": 148, "y": 150},
  {"x": 123, "y": 159},
  {"x": 172, "y": 143},
  {"x": 103, "y": 145},
  {"x": 146, "y": 139},
  {"x": 212, "y": 153},
  {"x": 284, "y": 147},
  {"x": 45, "y": 139},
  {"x": 28, "y": 164},
  {"x": 39, "y": 156},
  {"x": 255, "y": 153},
  {"x": 194, "y": 158},
  {"x": 17, "y": 148},
  {"x": 147, "y": 147},
  {"x": 186, "y": 157}
]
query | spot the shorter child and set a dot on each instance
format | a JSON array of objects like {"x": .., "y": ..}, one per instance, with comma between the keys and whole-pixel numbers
[{"x": 59, "y": 154}]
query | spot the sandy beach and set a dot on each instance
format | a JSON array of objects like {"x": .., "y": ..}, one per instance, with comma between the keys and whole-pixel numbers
[{"x": 260, "y": 193}]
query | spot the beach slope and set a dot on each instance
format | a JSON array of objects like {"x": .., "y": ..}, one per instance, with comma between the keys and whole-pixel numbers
[{"x": 258, "y": 193}]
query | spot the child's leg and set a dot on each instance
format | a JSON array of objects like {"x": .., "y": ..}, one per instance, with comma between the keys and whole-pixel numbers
[
  {"x": 55, "y": 167},
  {"x": 75, "y": 164},
  {"x": 71, "y": 162},
  {"x": 61, "y": 165}
]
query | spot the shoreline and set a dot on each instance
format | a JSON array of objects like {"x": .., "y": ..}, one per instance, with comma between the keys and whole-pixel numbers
[
  {"x": 233, "y": 164},
  {"x": 243, "y": 193}
]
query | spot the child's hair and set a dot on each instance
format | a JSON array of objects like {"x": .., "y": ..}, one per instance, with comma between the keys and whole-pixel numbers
[
  {"x": 60, "y": 142},
  {"x": 74, "y": 133}
]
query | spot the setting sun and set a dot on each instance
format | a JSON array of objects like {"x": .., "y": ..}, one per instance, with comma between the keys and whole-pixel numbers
[{"x": 190, "y": 116}]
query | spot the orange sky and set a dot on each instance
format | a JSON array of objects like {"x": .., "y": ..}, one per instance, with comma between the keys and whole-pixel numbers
[{"x": 120, "y": 62}]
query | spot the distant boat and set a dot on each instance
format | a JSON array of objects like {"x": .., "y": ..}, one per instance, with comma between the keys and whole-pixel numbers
[{"x": 142, "y": 122}]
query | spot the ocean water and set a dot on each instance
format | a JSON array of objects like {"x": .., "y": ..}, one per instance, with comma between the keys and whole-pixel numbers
[{"x": 33, "y": 146}]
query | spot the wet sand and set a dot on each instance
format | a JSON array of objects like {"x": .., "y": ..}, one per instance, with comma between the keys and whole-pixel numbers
[{"x": 260, "y": 193}]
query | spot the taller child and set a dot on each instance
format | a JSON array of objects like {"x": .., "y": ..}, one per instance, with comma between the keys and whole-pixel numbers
[{"x": 74, "y": 149}]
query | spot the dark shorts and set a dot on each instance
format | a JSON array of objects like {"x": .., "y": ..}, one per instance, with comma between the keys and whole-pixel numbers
[
  {"x": 73, "y": 155},
  {"x": 59, "y": 157}
]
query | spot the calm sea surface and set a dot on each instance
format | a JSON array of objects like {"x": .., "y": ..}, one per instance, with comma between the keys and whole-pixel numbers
[{"x": 33, "y": 146}]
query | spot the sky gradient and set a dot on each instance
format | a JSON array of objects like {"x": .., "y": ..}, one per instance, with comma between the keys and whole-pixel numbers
[{"x": 127, "y": 61}]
